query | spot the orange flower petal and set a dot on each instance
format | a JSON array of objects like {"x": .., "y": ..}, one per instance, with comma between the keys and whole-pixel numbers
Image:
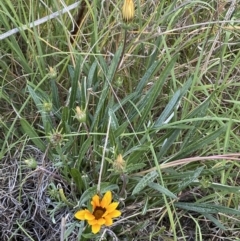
[
  {"x": 101, "y": 221},
  {"x": 89, "y": 216},
  {"x": 95, "y": 201},
  {"x": 107, "y": 198},
  {"x": 96, "y": 228},
  {"x": 92, "y": 222},
  {"x": 81, "y": 214},
  {"x": 112, "y": 207},
  {"x": 108, "y": 221},
  {"x": 114, "y": 214}
]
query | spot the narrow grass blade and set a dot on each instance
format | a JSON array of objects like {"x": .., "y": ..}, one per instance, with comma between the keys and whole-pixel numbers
[
  {"x": 144, "y": 80},
  {"x": 92, "y": 74},
  {"x": 76, "y": 175},
  {"x": 29, "y": 130},
  {"x": 109, "y": 77},
  {"x": 84, "y": 148},
  {"x": 39, "y": 102},
  {"x": 167, "y": 144},
  {"x": 172, "y": 104},
  {"x": 74, "y": 75},
  {"x": 148, "y": 101},
  {"x": 55, "y": 95},
  {"x": 197, "y": 145}
]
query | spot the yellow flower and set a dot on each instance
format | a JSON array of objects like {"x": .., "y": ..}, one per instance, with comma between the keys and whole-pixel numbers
[
  {"x": 128, "y": 10},
  {"x": 103, "y": 212}
]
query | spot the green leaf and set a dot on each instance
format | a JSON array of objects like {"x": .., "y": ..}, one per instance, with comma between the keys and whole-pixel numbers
[
  {"x": 136, "y": 156},
  {"x": 109, "y": 78},
  {"x": 70, "y": 229},
  {"x": 190, "y": 178},
  {"x": 162, "y": 190},
  {"x": 155, "y": 53},
  {"x": 123, "y": 102},
  {"x": 197, "y": 145},
  {"x": 226, "y": 210},
  {"x": 134, "y": 149},
  {"x": 39, "y": 101},
  {"x": 147, "y": 102},
  {"x": 172, "y": 104},
  {"x": 91, "y": 74},
  {"x": 200, "y": 111},
  {"x": 133, "y": 167},
  {"x": 65, "y": 114},
  {"x": 121, "y": 129},
  {"x": 102, "y": 62},
  {"x": 114, "y": 120},
  {"x": 168, "y": 143},
  {"x": 4, "y": 96},
  {"x": 77, "y": 177},
  {"x": 214, "y": 220},
  {"x": 150, "y": 177},
  {"x": 196, "y": 207},
  {"x": 84, "y": 148},
  {"x": 74, "y": 76},
  {"x": 29, "y": 130},
  {"x": 206, "y": 208},
  {"x": 145, "y": 79},
  {"x": 55, "y": 96},
  {"x": 168, "y": 109},
  {"x": 146, "y": 206},
  {"x": 229, "y": 189}
]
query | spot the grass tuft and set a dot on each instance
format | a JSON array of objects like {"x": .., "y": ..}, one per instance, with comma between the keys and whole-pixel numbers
[{"x": 147, "y": 109}]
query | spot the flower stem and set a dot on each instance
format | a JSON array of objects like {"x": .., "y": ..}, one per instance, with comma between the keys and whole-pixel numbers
[{"x": 103, "y": 156}]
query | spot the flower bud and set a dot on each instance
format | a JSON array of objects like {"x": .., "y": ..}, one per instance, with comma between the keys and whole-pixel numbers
[
  {"x": 119, "y": 164},
  {"x": 119, "y": 82},
  {"x": 80, "y": 115},
  {"x": 31, "y": 163},
  {"x": 52, "y": 73},
  {"x": 47, "y": 106},
  {"x": 128, "y": 10}
]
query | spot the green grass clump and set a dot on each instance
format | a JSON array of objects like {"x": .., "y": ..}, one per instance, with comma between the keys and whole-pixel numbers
[{"x": 162, "y": 91}]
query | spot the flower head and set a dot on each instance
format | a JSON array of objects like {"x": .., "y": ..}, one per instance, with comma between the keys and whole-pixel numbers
[
  {"x": 103, "y": 211},
  {"x": 128, "y": 10},
  {"x": 56, "y": 138},
  {"x": 119, "y": 164}
]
